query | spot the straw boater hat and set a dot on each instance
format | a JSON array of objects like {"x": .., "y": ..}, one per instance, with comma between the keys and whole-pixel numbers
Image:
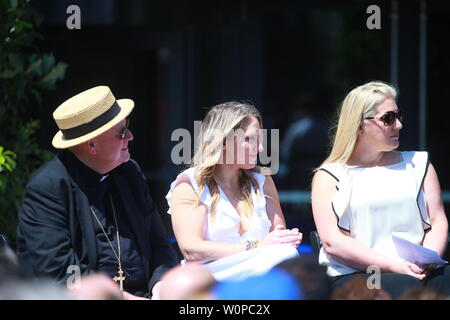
[{"x": 87, "y": 115}]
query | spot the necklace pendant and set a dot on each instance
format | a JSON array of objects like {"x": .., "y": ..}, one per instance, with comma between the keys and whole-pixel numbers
[{"x": 120, "y": 278}]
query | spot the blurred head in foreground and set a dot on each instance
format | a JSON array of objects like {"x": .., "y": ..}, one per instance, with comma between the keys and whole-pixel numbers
[{"x": 186, "y": 282}]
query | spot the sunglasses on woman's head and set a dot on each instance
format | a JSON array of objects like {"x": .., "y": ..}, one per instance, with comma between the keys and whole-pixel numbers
[{"x": 389, "y": 117}]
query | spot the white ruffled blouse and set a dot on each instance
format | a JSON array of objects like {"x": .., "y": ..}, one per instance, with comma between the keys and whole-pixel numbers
[
  {"x": 374, "y": 203},
  {"x": 225, "y": 225}
]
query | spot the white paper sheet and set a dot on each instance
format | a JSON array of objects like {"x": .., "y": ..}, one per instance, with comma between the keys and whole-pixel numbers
[{"x": 417, "y": 254}]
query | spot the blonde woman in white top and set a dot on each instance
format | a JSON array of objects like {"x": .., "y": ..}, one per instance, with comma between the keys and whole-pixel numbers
[
  {"x": 365, "y": 192},
  {"x": 224, "y": 212}
]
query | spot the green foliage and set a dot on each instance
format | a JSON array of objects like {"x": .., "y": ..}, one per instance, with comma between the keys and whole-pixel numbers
[
  {"x": 24, "y": 73},
  {"x": 6, "y": 161}
]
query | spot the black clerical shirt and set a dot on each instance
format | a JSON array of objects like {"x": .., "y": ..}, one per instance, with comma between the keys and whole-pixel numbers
[
  {"x": 102, "y": 194},
  {"x": 57, "y": 230}
]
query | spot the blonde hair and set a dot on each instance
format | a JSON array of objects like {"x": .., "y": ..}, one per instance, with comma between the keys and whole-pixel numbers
[
  {"x": 361, "y": 102},
  {"x": 219, "y": 123}
]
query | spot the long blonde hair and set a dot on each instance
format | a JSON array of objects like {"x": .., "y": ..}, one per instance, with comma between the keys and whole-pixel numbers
[
  {"x": 361, "y": 102},
  {"x": 218, "y": 124}
]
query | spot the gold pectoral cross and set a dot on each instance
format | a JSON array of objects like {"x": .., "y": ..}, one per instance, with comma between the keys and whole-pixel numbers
[{"x": 120, "y": 279}]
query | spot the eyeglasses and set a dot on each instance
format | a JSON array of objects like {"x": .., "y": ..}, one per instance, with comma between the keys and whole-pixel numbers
[
  {"x": 389, "y": 117},
  {"x": 124, "y": 130}
]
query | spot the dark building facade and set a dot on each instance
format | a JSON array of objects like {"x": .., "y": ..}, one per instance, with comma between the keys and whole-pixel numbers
[{"x": 289, "y": 58}]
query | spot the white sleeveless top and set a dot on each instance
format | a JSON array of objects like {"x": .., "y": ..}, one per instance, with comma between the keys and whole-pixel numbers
[
  {"x": 225, "y": 225},
  {"x": 375, "y": 203}
]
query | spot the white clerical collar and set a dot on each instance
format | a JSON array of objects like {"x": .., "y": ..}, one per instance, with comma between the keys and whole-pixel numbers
[{"x": 104, "y": 177}]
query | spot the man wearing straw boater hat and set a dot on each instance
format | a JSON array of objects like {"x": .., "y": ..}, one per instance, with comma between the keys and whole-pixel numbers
[{"x": 89, "y": 209}]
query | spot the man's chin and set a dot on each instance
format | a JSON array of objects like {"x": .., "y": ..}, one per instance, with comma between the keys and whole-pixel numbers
[{"x": 126, "y": 157}]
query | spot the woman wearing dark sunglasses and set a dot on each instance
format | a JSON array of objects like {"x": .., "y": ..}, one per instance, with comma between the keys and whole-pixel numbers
[{"x": 365, "y": 192}]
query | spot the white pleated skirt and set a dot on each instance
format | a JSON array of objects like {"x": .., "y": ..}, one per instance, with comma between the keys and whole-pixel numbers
[{"x": 250, "y": 263}]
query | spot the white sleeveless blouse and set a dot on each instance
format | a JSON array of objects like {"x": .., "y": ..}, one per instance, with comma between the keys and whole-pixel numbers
[
  {"x": 375, "y": 203},
  {"x": 225, "y": 225}
]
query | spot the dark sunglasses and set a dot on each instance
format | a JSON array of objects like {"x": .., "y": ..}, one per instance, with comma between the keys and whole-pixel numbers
[
  {"x": 124, "y": 130},
  {"x": 389, "y": 117}
]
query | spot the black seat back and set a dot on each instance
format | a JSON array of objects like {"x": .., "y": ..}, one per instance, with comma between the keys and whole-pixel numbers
[
  {"x": 3, "y": 241},
  {"x": 315, "y": 243}
]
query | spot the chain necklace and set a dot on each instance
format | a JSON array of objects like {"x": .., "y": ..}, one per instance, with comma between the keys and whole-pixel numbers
[{"x": 120, "y": 277}]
